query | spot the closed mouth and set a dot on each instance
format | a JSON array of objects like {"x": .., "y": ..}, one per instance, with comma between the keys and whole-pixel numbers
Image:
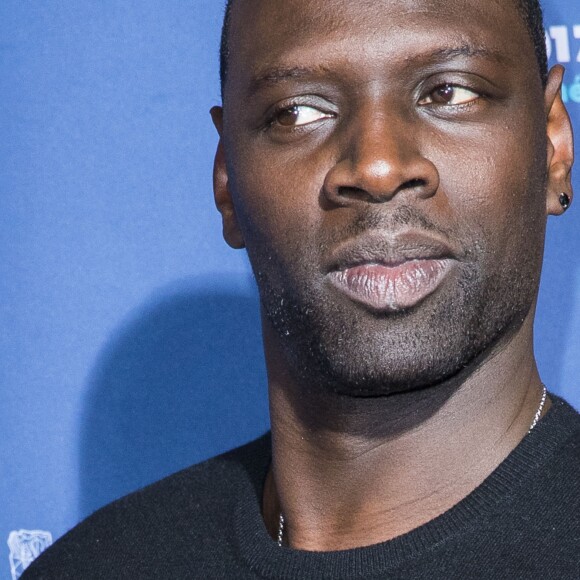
[
  {"x": 391, "y": 288},
  {"x": 390, "y": 273}
]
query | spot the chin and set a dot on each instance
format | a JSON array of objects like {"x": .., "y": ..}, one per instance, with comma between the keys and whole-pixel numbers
[
  {"x": 390, "y": 365},
  {"x": 338, "y": 347}
]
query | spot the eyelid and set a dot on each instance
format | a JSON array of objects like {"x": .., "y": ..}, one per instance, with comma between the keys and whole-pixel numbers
[
  {"x": 427, "y": 99},
  {"x": 300, "y": 102}
]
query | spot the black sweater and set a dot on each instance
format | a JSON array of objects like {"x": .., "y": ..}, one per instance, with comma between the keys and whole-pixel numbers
[{"x": 205, "y": 522}]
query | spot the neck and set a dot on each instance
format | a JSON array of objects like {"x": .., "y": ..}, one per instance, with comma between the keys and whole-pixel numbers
[{"x": 350, "y": 472}]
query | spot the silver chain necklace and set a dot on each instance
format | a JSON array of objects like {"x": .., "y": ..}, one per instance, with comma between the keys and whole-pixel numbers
[{"x": 535, "y": 420}]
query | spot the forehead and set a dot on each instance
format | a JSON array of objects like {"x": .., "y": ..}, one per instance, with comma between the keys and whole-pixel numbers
[
  {"x": 269, "y": 32},
  {"x": 312, "y": 16}
]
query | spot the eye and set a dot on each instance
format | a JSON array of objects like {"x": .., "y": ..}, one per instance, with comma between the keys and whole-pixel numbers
[
  {"x": 298, "y": 115},
  {"x": 450, "y": 95}
]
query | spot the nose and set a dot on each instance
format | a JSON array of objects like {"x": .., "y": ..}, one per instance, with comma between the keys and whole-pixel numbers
[{"x": 380, "y": 158}]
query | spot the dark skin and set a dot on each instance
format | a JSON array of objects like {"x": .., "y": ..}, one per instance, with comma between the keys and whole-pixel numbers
[{"x": 408, "y": 120}]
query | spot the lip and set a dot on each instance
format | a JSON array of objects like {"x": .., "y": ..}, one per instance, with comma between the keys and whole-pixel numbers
[
  {"x": 391, "y": 288},
  {"x": 390, "y": 273}
]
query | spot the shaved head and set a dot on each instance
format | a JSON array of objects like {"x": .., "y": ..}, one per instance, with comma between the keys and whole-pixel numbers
[{"x": 530, "y": 10}]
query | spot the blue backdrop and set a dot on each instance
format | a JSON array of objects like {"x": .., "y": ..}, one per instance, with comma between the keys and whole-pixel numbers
[{"x": 130, "y": 344}]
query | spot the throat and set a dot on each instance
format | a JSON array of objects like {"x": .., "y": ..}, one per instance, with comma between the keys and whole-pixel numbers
[{"x": 340, "y": 488}]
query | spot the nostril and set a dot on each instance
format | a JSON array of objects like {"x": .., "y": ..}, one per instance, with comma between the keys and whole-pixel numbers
[
  {"x": 351, "y": 192},
  {"x": 356, "y": 179},
  {"x": 348, "y": 191},
  {"x": 413, "y": 183}
]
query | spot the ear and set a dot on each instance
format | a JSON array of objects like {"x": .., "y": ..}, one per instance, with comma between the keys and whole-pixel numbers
[
  {"x": 560, "y": 144},
  {"x": 222, "y": 195}
]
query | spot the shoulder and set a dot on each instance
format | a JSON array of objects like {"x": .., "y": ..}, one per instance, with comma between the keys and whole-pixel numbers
[
  {"x": 563, "y": 427},
  {"x": 539, "y": 524},
  {"x": 543, "y": 485},
  {"x": 165, "y": 522},
  {"x": 554, "y": 451},
  {"x": 561, "y": 474}
]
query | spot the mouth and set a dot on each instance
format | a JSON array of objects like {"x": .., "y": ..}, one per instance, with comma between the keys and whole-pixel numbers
[
  {"x": 393, "y": 273},
  {"x": 391, "y": 288}
]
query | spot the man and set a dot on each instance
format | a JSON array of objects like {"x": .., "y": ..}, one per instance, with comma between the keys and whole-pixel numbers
[{"x": 389, "y": 166}]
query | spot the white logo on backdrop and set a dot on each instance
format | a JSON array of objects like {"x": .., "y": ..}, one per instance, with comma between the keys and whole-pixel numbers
[
  {"x": 563, "y": 44},
  {"x": 25, "y": 546}
]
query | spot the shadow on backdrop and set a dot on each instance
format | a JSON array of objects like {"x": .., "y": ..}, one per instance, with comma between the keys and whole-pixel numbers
[{"x": 183, "y": 379}]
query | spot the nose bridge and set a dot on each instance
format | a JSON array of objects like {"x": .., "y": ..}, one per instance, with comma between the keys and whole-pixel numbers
[{"x": 380, "y": 156}]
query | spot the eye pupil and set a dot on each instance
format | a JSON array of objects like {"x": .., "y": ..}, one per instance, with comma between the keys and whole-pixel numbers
[
  {"x": 289, "y": 116},
  {"x": 444, "y": 94}
]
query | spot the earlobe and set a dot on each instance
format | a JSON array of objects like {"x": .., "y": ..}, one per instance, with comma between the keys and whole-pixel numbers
[
  {"x": 222, "y": 195},
  {"x": 560, "y": 146}
]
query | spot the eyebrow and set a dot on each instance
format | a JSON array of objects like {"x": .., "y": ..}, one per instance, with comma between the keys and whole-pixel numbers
[
  {"x": 467, "y": 50},
  {"x": 275, "y": 75},
  {"x": 278, "y": 74}
]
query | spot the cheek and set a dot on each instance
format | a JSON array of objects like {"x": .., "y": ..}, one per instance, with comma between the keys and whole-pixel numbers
[
  {"x": 278, "y": 200},
  {"x": 495, "y": 187}
]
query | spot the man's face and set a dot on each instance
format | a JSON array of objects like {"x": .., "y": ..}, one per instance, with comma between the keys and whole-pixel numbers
[{"x": 386, "y": 160}]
